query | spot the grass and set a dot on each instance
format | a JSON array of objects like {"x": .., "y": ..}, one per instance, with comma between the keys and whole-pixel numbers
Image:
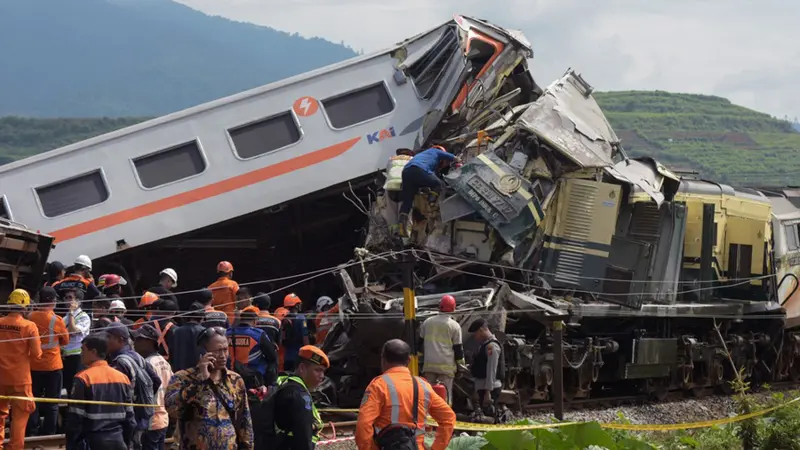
[
  {"x": 707, "y": 134},
  {"x": 703, "y": 133}
]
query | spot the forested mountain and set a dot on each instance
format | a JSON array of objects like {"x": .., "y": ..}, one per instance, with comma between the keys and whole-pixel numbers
[{"x": 94, "y": 58}]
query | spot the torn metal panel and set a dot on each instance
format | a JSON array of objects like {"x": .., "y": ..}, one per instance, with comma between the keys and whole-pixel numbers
[
  {"x": 468, "y": 300},
  {"x": 455, "y": 207},
  {"x": 569, "y": 119},
  {"x": 642, "y": 175},
  {"x": 536, "y": 307},
  {"x": 506, "y": 200},
  {"x": 466, "y": 23}
]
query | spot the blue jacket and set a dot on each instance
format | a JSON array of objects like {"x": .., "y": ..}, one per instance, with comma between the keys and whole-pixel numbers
[
  {"x": 428, "y": 160},
  {"x": 251, "y": 346}
]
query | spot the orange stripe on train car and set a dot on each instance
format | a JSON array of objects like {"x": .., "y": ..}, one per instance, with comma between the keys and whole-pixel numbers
[{"x": 204, "y": 192}]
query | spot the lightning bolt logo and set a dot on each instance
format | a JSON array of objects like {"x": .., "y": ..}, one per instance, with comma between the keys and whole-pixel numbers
[{"x": 305, "y": 106}]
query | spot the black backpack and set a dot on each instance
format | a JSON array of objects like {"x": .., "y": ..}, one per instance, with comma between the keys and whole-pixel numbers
[{"x": 263, "y": 416}]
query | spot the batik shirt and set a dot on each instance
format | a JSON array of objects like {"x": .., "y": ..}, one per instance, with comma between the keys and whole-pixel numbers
[{"x": 203, "y": 420}]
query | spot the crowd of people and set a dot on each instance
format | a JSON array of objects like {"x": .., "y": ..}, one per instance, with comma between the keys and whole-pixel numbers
[{"x": 210, "y": 376}]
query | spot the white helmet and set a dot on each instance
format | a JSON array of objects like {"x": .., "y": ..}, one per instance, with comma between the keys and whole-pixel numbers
[
  {"x": 172, "y": 274},
  {"x": 323, "y": 302},
  {"x": 84, "y": 261},
  {"x": 117, "y": 305}
]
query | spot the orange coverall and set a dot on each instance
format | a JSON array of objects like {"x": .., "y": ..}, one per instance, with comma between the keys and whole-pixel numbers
[
  {"x": 224, "y": 291},
  {"x": 326, "y": 321},
  {"x": 19, "y": 345},
  {"x": 378, "y": 411}
]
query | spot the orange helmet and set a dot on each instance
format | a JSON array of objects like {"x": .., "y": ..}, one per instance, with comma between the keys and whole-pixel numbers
[
  {"x": 251, "y": 309},
  {"x": 447, "y": 303},
  {"x": 291, "y": 300},
  {"x": 315, "y": 355},
  {"x": 224, "y": 267},
  {"x": 148, "y": 299}
]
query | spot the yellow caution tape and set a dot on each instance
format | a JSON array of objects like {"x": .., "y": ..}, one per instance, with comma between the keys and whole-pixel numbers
[
  {"x": 339, "y": 410},
  {"x": 72, "y": 401},
  {"x": 479, "y": 427}
]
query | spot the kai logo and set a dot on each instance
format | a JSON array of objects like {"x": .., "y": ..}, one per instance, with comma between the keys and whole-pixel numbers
[{"x": 386, "y": 133}]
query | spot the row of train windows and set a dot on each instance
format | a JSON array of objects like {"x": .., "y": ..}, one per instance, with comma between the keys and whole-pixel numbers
[{"x": 186, "y": 160}]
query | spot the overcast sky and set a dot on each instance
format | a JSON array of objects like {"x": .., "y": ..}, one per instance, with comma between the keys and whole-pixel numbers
[{"x": 745, "y": 50}]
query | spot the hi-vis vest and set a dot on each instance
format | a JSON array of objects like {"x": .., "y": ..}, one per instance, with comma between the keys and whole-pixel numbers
[
  {"x": 243, "y": 344},
  {"x": 318, "y": 424},
  {"x": 326, "y": 321},
  {"x": 73, "y": 281},
  {"x": 51, "y": 333}
]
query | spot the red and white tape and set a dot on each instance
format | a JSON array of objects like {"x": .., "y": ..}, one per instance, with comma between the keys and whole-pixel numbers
[{"x": 331, "y": 441}]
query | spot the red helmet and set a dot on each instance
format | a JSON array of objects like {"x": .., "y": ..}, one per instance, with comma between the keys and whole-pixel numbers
[
  {"x": 447, "y": 303},
  {"x": 224, "y": 267},
  {"x": 110, "y": 280}
]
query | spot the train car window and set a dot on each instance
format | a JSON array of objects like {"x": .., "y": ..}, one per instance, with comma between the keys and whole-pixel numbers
[
  {"x": 792, "y": 236},
  {"x": 71, "y": 195},
  {"x": 426, "y": 72},
  {"x": 358, "y": 106},
  {"x": 5, "y": 212},
  {"x": 172, "y": 164},
  {"x": 265, "y": 136}
]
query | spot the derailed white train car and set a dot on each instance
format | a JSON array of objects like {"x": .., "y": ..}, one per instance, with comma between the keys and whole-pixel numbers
[{"x": 263, "y": 147}]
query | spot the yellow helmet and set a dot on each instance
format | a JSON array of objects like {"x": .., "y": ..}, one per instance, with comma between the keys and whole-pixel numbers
[{"x": 19, "y": 297}]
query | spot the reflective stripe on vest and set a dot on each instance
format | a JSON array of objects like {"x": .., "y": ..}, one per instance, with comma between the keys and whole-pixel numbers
[
  {"x": 162, "y": 341},
  {"x": 318, "y": 425},
  {"x": 394, "y": 402},
  {"x": 51, "y": 329}
]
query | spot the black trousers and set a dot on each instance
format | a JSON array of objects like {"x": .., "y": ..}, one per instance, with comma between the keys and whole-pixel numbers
[
  {"x": 154, "y": 439},
  {"x": 112, "y": 441},
  {"x": 415, "y": 178},
  {"x": 72, "y": 365},
  {"x": 47, "y": 385}
]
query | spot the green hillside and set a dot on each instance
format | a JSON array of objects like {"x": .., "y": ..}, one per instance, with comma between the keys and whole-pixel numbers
[{"x": 707, "y": 134}]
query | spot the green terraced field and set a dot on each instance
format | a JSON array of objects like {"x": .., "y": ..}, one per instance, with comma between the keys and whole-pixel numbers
[
  {"x": 722, "y": 141},
  {"x": 708, "y": 134}
]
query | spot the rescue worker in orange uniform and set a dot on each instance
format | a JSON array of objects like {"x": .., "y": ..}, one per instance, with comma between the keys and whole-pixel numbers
[
  {"x": 19, "y": 345},
  {"x": 80, "y": 278},
  {"x": 396, "y": 404},
  {"x": 46, "y": 373},
  {"x": 153, "y": 304},
  {"x": 266, "y": 321},
  {"x": 327, "y": 316},
  {"x": 225, "y": 290},
  {"x": 252, "y": 348},
  {"x": 295, "y": 331}
]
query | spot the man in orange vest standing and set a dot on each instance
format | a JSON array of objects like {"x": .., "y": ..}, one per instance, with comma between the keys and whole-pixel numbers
[
  {"x": 396, "y": 404},
  {"x": 225, "y": 290},
  {"x": 327, "y": 317},
  {"x": 46, "y": 373},
  {"x": 19, "y": 345}
]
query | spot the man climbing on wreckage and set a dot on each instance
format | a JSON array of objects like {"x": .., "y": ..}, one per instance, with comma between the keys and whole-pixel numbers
[{"x": 421, "y": 172}]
